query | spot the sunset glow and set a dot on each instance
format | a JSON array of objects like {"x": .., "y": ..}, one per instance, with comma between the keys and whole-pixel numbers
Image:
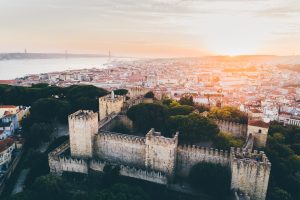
[{"x": 152, "y": 28}]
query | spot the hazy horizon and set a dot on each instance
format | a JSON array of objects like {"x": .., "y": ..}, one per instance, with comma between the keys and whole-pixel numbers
[{"x": 152, "y": 28}]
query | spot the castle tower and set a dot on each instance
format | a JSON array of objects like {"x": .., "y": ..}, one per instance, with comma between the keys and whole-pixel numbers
[
  {"x": 250, "y": 173},
  {"x": 161, "y": 152},
  {"x": 259, "y": 131},
  {"x": 83, "y": 125},
  {"x": 110, "y": 104}
]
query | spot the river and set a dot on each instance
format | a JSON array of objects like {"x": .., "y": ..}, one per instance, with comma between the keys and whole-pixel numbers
[{"x": 11, "y": 69}]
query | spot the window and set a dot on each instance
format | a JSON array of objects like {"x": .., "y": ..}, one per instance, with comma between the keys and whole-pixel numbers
[{"x": 259, "y": 130}]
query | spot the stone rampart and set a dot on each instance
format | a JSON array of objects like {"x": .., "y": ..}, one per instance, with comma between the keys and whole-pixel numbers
[
  {"x": 250, "y": 173},
  {"x": 120, "y": 148},
  {"x": 148, "y": 175},
  {"x": 235, "y": 129},
  {"x": 73, "y": 164},
  {"x": 188, "y": 156}
]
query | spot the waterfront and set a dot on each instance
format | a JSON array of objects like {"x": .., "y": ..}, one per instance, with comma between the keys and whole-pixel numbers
[{"x": 11, "y": 69}]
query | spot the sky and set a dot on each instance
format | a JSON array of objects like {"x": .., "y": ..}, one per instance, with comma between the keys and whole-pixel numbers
[{"x": 151, "y": 28}]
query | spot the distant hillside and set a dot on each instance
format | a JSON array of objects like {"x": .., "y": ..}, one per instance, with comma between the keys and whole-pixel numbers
[{"x": 16, "y": 56}]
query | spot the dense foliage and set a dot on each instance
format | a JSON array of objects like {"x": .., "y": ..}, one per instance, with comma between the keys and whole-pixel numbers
[
  {"x": 120, "y": 91},
  {"x": 285, "y": 158},
  {"x": 120, "y": 127},
  {"x": 225, "y": 141},
  {"x": 187, "y": 100},
  {"x": 78, "y": 96},
  {"x": 147, "y": 115},
  {"x": 228, "y": 113},
  {"x": 193, "y": 127},
  {"x": 213, "y": 179},
  {"x": 180, "y": 110},
  {"x": 39, "y": 132},
  {"x": 49, "y": 105}
]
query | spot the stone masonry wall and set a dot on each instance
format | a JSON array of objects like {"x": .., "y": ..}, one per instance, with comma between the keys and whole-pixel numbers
[
  {"x": 161, "y": 152},
  {"x": 83, "y": 125},
  {"x": 235, "y": 129},
  {"x": 109, "y": 105},
  {"x": 250, "y": 173},
  {"x": 120, "y": 148},
  {"x": 188, "y": 156}
]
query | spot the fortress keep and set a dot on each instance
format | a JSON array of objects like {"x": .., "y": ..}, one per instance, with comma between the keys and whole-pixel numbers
[{"x": 152, "y": 158}]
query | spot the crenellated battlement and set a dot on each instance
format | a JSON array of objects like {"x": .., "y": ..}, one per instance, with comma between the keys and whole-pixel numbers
[
  {"x": 71, "y": 160},
  {"x": 250, "y": 157},
  {"x": 106, "y": 135},
  {"x": 250, "y": 172},
  {"x": 203, "y": 150},
  {"x": 108, "y": 98},
  {"x": 157, "y": 138},
  {"x": 148, "y": 175},
  {"x": 56, "y": 152},
  {"x": 137, "y": 91},
  {"x": 83, "y": 115},
  {"x": 153, "y": 158}
]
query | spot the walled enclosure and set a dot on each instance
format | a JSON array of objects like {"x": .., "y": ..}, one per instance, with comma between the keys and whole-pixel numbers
[{"x": 152, "y": 158}]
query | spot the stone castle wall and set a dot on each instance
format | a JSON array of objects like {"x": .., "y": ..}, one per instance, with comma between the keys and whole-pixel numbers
[
  {"x": 235, "y": 129},
  {"x": 153, "y": 158},
  {"x": 110, "y": 104},
  {"x": 120, "y": 148},
  {"x": 139, "y": 173},
  {"x": 250, "y": 170},
  {"x": 83, "y": 125},
  {"x": 188, "y": 156},
  {"x": 161, "y": 152},
  {"x": 260, "y": 135},
  {"x": 250, "y": 173},
  {"x": 59, "y": 163}
]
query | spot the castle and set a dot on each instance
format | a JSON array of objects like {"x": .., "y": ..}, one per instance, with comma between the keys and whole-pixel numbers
[{"x": 152, "y": 158}]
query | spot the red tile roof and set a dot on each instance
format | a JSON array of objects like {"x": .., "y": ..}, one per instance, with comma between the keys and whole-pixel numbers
[
  {"x": 258, "y": 123},
  {"x": 254, "y": 110},
  {"x": 4, "y": 144},
  {"x": 7, "y": 82},
  {"x": 8, "y": 106}
]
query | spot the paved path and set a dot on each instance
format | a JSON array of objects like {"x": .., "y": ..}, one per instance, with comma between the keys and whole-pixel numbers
[{"x": 19, "y": 186}]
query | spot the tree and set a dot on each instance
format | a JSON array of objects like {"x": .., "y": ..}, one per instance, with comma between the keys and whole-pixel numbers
[
  {"x": 192, "y": 127},
  {"x": 49, "y": 110},
  {"x": 120, "y": 91},
  {"x": 214, "y": 179},
  {"x": 279, "y": 194},
  {"x": 284, "y": 179},
  {"x": 148, "y": 115},
  {"x": 228, "y": 113},
  {"x": 39, "y": 132},
  {"x": 201, "y": 107},
  {"x": 225, "y": 141},
  {"x": 187, "y": 100},
  {"x": 84, "y": 96},
  {"x": 122, "y": 191},
  {"x": 38, "y": 164},
  {"x": 180, "y": 110},
  {"x": 120, "y": 127},
  {"x": 167, "y": 101},
  {"x": 149, "y": 94},
  {"x": 49, "y": 187}
]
